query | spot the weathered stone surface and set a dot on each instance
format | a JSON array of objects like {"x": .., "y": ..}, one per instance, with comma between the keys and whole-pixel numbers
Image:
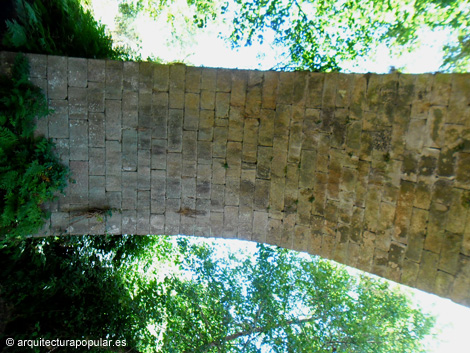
[{"x": 370, "y": 170}]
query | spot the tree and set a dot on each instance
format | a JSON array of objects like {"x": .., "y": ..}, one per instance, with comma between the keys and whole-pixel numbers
[
  {"x": 30, "y": 173},
  {"x": 165, "y": 296},
  {"x": 278, "y": 301},
  {"x": 320, "y": 35},
  {"x": 78, "y": 287},
  {"x": 58, "y": 27}
]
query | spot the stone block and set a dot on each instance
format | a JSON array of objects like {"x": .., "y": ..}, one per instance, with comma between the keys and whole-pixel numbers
[
  {"x": 404, "y": 211},
  {"x": 463, "y": 171},
  {"x": 190, "y": 144},
  {"x": 295, "y": 142},
  {"x": 443, "y": 284},
  {"x": 456, "y": 218},
  {"x": 161, "y": 78},
  {"x": 158, "y": 191},
  {"x": 96, "y": 70},
  {"x": 449, "y": 256},
  {"x": 78, "y": 140},
  {"x": 224, "y": 80},
  {"x": 410, "y": 273},
  {"x": 57, "y": 77},
  {"x": 113, "y": 116},
  {"x": 234, "y": 157},
  {"x": 97, "y": 191},
  {"x": 230, "y": 225},
  {"x": 175, "y": 130},
  {"x": 191, "y": 119},
  {"x": 77, "y": 72},
  {"x": 145, "y": 74},
  {"x": 459, "y": 98},
  {"x": 442, "y": 191},
  {"x": 207, "y": 101},
  {"x": 78, "y": 190},
  {"x": 245, "y": 223},
  {"x": 417, "y": 234},
  {"x": 206, "y": 125},
  {"x": 253, "y": 100},
  {"x": 286, "y": 86},
  {"x": 193, "y": 79},
  {"x": 466, "y": 237},
  {"x": 427, "y": 273},
  {"x": 209, "y": 79},
  {"x": 143, "y": 169},
  {"x": 177, "y": 84},
  {"x": 129, "y": 150},
  {"x": 129, "y": 191},
  {"x": 263, "y": 165},
  {"x": 95, "y": 97},
  {"x": 129, "y": 222},
  {"x": 266, "y": 128},
  {"x": 113, "y": 166},
  {"x": 203, "y": 181},
  {"x": 157, "y": 224},
  {"x": 460, "y": 292},
  {"x": 96, "y": 157},
  {"x": 232, "y": 191},
  {"x": 113, "y": 79},
  {"x": 247, "y": 188},
  {"x": 130, "y": 76},
  {"x": 239, "y": 85},
  {"x": 204, "y": 152},
  {"x": 422, "y": 195},
  {"x": 172, "y": 217},
  {"x": 38, "y": 65},
  {"x": 58, "y": 119}
]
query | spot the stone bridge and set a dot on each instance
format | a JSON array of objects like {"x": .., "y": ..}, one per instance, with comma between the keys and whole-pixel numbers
[{"x": 372, "y": 171}]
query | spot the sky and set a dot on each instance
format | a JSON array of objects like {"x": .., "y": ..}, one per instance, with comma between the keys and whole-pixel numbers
[{"x": 453, "y": 321}]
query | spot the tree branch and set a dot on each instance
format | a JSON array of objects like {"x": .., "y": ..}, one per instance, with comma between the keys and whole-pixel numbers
[{"x": 239, "y": 334}]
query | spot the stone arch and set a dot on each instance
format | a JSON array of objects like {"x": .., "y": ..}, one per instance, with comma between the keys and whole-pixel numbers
[{"x": 372, "y": 171}]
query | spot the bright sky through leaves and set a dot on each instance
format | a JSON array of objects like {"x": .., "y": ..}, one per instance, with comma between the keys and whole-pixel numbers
[{"x": 208, "y": 50}]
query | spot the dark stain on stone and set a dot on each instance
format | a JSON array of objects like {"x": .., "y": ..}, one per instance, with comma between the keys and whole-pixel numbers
[
  {"x": 246, "y": 187},
  {"x": 203, "y": 188},
  {"x": 158, "y": 149},
  {"x": 409, "y": 164},
  {"x": 427, "y": 165},
  {"x": 406, "y": 95},
  {"x": 390, "y": 112},
  {"x": 446, "y": 163},
  {"x": 290, "y": 206},
  {"x": 443, "y": 192},
  {"x": 344, "y": 232},
  {"x": 339, "y": 132},
  {"x": 381, "y": 140},
  {"x": 327, "y": 117},
  {"x": 395, "y": 254},
  {"x": 381, "y": 261},
  {"x": 436, "y": 124}
]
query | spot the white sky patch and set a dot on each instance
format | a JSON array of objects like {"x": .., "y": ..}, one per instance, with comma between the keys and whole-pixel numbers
[{"x": 427, "y": 58}]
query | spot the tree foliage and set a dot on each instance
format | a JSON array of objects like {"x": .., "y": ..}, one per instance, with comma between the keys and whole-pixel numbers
[
  {"x": 58, "y": 27},
  {"x": 78, "y": 287},
  {"x": 165, "y": 296},
  {"x": 30, "y": 173},
  {"x": 282, "y": 302},
  {"x": 321, "y": 35}
]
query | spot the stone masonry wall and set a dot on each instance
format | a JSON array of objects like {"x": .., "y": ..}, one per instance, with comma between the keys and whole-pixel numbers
[{"x": 372, "y": 171}]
